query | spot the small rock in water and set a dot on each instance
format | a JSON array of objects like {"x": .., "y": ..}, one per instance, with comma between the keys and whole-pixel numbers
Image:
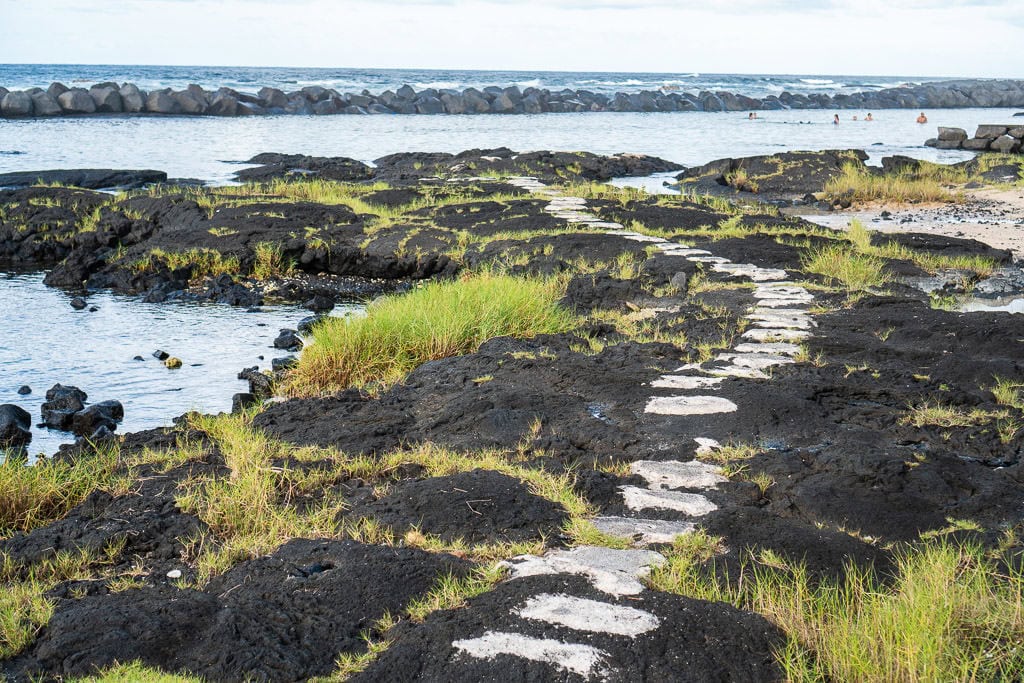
[
  {"x": 93, "y": 309},
  {"x": 306, "y": 324},
  {"x": 172, "y": 363},
  {"x": 174, "y": 574},
  {"x": 284, "y": 363},
  {"x": 24, "y": 390},
  {"x": 161, "y": 355},
  {"x": 319, "y": 303},
  {"x": 78, "y": 303},
  {"x": 138, "y": 358},
  {"x": 288, "y": 340}
]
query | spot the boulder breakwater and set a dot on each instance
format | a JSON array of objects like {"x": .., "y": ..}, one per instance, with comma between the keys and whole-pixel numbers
[
  {"x": 1005, "y": 139},
  {"x": 127, "y": 98}
]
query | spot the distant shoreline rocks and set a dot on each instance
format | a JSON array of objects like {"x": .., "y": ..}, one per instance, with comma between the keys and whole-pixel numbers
[
  {"x": 1005, "y": 139},
  {"x": 127, "y": 98}
]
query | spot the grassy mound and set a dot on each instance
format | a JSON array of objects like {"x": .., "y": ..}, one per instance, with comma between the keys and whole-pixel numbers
[{"x": 440, "y": 319}]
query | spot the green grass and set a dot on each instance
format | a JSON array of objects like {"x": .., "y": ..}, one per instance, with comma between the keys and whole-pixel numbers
[
  {"x": 950, "y": 614},
  {"x": 270, "y": 262},
  {"x": 201, "y": 262},
  {"x": 438, "y": 320},
  {"x": 854, "y": 271},
  {"x": 137, "y": 672},
  {"x": 861, "y": 239},
  {"x": 33, "y": 496},
  {"x": 948, "y": 416},
  {"x": 928, "y": 184}
]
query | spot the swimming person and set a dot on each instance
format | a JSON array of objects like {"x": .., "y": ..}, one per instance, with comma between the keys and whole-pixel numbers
[
  {"x": 869, "y": 117},
  {"x": 835, "y": 120},
  {"x": 922, "y": 118}
]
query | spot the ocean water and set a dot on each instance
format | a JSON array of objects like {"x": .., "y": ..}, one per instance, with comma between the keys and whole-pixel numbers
[
  {"x": 44, "y": 341},
  {"x": 20, "y": 76}
]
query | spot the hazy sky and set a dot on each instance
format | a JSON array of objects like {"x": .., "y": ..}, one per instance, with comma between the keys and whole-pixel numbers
[{"x": 865, "y": 37}]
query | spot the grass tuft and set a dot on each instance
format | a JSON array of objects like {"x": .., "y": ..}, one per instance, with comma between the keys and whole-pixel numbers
[
  {"x": 440, "y": 319},
  {"x": 837, "y": 263}
]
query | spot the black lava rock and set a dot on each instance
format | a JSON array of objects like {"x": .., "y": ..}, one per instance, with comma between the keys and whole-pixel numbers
[
  {"x": 288, "y": 340},
  {"x": 15, "y": 425}
]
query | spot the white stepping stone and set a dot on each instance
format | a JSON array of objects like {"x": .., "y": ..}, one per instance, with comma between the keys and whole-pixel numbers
[
  {"x": 737, "y": 371},
  {"x": 755, "y": 273},
  {"x": 692, "y": 504},
  {"x": 673, "y": 474},
  {"x": 689, "y": 405},
  {"x": 779, "y": 348},
  {"x": 788, "y": 321},
  {"x": 637, "y": 237},
  {"x": 706, "y": 445},
  {"x": 602, "y": 225},
  {"x": 583, "y": 660},
  {"x": 759, "y": 361},
  {"x": 775, "y": 291},
  {"x": 645, "y": 530},
  {"x": 616, "y": 572},
  {"x": 707, "y": 259},
  {"x": 785, "y": 303},
  {"x": 775, "y": 334},
  {"x": 685, "y": 382},
  {"x": 581, "y": 614}
]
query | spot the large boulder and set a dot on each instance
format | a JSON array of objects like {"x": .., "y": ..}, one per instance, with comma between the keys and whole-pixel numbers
[
  {"x": 57, "y": 89},
  {"x": 952, "y": 134},
  {"x": 990, "y": 132},
  {"x": 62, "y": 402},
  {"x": 77, "y": 101},
  {"x": 15, "y": 426},
  {"x": 90, "y": 178},
  {"x": 429, "y": 105},
  {"x": 1005, "y": 144},
  {"x": 1017, "y": 132},
  {"x": 976, "y": 144},
  {"x": 45, "y": 104},
  {"x": 107, "y": 97},
  {"x": 406, "y": 92},
  {"x": 273, "y": 98},
  {"x": 162, "y": 102},
  {"x": 223, "y": 104},
  {"x": 193, "y": 100},
  {"x": 105, "y": 414},
  {"x": 16, "y": 104},
  {"x": 133, "y": 100}
]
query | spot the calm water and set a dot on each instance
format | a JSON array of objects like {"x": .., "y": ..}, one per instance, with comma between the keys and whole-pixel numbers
[
  {"x": 250, "y": 79},
  {"x": 204, "y": 147},
  {"x": 44, "y": 341}
]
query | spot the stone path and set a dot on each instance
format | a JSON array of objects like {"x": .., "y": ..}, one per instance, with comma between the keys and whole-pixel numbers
[{"x": 777, "y": 320}]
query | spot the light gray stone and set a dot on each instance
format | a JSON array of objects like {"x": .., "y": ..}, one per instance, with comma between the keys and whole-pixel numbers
[{"x": 77, "y": 101}]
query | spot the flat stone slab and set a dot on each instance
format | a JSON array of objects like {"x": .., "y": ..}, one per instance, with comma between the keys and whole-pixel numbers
[
  {"x": 692, "y": 504},
  {"x": 686, "y": 382},
  {"x": 791, "y": 322},
  {"x": 689, "y": 405},
  {"x": 675, "y": 249},
  {"x": 759, "y": 361},
  {"x": 737, "y": 371},
  {"x": 582, "y": 614},
  {"x": 583, "y": 660},
  {"x": 778, "y": 348},
  {"x": 636, "y": 236},
  {"x": 673, "y": 474},
  {"x": 785, "y": 303},
  {"x": 602, "y": 225},
  {"x": 707, "y": 259},
  {"x": 755, "y": 273},
  {"x": 616, "y": 572},
  {"x": 780, "y": 290},
  {"x": 644, "y": 530},
  {"x": 775, "y": 334}
]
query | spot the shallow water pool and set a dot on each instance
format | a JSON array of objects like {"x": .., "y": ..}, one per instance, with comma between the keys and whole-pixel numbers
[{"x": 44, "y": 341}]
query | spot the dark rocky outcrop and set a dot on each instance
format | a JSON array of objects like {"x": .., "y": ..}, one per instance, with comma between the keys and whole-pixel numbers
[
  {"x": 788, "y": 174},
  {"x": 89, "y": 178},
  {"x": 1005, "y": 139},
  {"x": 15, "y": 426}
]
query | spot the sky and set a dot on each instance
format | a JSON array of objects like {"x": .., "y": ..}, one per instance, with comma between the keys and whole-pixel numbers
[{"x": 970, "y": 38}]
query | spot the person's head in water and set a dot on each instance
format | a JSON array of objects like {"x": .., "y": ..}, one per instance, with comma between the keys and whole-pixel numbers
[
  {"x": 922, "y": 118},
  {"x": 854, "y": 117},
  {"x": 835, "y": 119},
  {"x": 869, "y": 117},
  {"x": 752, "y": 116}
]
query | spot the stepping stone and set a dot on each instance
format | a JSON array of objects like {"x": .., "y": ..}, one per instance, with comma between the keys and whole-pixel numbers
[
  {"x": 617, "y": 572},
  {"x": 583, "y": 660},
  {"x": 692, "y": 504},
  {"x": 757, "y": 310},
  {"x": 706, "y": 445},
  {"x": 602, "y": 225},
  {"x": 755, "y": 273},
  {"x": 779, "y": 348},
  {"x": 646, "y": 530},
  {"x": 785, "y": 321},
  {"x": 637, "y": 237},
  {"x": 707, "y": 259},
  {"x": 673, "y": 474},
  {"x": 737, "y": 371},
  {"x": 784, "y": 303},
  {"x": 689, "y": 405},
  {"x": 581, "y": 614},
  {"x": 775, "y": 334},
  {"x": 685, "y": 382},
  {"x": 759, "y": 361},
  {"x": 775, "y": 291}
]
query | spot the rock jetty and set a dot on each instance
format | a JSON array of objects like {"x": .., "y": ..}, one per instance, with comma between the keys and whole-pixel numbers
[
  {"x": 127, "y": 98},
  {"x": 1005, "y": 139}
]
